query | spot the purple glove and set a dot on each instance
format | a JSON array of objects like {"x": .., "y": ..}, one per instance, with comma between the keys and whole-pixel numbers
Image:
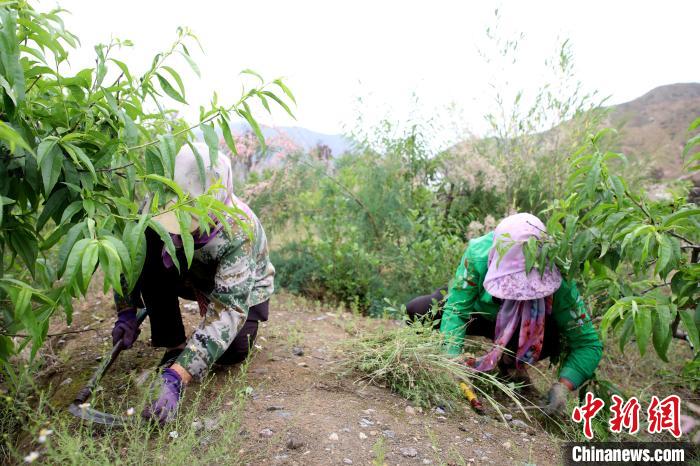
[
  {"x": 165, "y": 407},
  {"x": 126, "y": 328}
]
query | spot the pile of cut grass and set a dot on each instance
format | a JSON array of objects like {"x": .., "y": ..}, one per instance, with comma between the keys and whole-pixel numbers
[{"x": 411, "y": 361}]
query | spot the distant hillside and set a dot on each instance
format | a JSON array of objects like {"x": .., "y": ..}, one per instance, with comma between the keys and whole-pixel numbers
[
  {"x": 309, "y": 139},
  {"x": 653, "y": 127},
  {"x": 304, "y": 138}
]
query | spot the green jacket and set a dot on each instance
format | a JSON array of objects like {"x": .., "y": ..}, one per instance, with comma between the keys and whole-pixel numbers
[{"x": 467, "y": 296}]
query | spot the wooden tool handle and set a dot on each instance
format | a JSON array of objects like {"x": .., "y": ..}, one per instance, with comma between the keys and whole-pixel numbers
[{"x": 106, "y": 363}]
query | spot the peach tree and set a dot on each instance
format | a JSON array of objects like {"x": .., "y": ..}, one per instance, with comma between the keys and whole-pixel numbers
[
  {"x": 79, "y": 152},
  {"x": 637, "y": 255}
]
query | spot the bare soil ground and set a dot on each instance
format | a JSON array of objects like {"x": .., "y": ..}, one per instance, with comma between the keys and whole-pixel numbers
[
  {"x": 317, "y": 418},
  {"x": 300, "y": 411}
]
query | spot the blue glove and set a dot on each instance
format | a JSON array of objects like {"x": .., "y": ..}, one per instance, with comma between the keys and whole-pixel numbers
[{"x": 164, "y": 408}]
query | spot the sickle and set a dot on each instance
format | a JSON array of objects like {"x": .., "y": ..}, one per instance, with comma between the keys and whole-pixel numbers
[{"x": 80, "y": 408}]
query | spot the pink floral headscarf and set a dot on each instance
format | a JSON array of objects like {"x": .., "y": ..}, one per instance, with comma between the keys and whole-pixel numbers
[{"x": 527, "y": 297}]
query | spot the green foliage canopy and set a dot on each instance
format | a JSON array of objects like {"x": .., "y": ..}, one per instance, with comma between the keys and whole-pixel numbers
[
  {"x": 78, "y": 154},
  {"x": 637, "y": 256}
]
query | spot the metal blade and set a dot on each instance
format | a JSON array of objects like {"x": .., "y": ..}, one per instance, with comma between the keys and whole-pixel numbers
[{"x": 89, "y": 414}]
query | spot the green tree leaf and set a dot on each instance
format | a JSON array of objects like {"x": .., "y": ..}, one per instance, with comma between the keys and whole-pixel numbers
[
  {"x": 75, "y": 258},
  {"x": 664, "y": 255},
  {"x": 169, "y": 183},
  {"x": 253, "y": 73},
  {"x": 9, "y": 44},
  {"x": 688, "y": 319},
  {"x": 680, "y": 215},
  {"x": 279, "y": 101},
  {"x": 167, "y": 151},
  {"x": 77, "y": 153},
  {"x": 111, "y": 264},
  {"x": 626, "y": 333},
  {"x": 167, "y": 240},
  {"x": 228, "y": 137},
  {"x": 12, "y": 138},
  {"x": 72, "y": 209},
  {"x": 24, "y": 243},
  {"x": 55, "y": 204},
  {"x": 200, "y": 165},
  {"x": 285, "y": 89},
  {"x": 89, "y": 262},
  {"x": 169, "y": 89},
  {"x": 177, "y": 78},
  {"x": 212, "y": 142},
  {"x": 185, "y": 220},
  {"x": 245, "y": 113},
  {"x": 66, "y": 248},
  {"x": 642, "y": 329},
  {"x": 192, "y": 63},
  {"x": 661, "y": 337}
]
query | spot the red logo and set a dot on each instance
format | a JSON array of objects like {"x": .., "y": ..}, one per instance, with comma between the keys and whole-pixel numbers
[
  {"x": 587, "y": 412},
  {"x": 665, "y": 415},
  {"x": 624, "y": 416},
  {"x": 662, "y": 415}
]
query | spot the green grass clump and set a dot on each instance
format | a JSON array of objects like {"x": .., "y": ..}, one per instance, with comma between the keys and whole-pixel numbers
[
  {"x": 206, "y": 430},
  {"x": 411, "y": 361}
]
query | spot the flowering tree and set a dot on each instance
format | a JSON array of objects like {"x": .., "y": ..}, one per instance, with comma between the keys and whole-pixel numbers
[{"x": 250, "y": 153}]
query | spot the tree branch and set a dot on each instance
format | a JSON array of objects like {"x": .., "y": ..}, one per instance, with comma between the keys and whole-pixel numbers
[
  {"x": 67, "y": 332},
  {"x": 690, "y": 244},
  {"x": 658, "y": 285},
  {"x": 155, "y": 141},
  {"x": 640, "y": 207},
  {"x": 115, "y": 168},
  {"x": 32, "y": 84}
]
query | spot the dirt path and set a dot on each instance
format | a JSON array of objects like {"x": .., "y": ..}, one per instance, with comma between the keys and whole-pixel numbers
[{"x": 300, "y": 413}]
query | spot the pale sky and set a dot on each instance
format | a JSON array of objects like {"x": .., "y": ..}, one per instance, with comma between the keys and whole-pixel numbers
[{"x": 331, "y": 52}]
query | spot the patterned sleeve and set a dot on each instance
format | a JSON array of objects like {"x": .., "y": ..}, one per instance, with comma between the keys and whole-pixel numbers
[
  {"x": 228, "y": 308},
  {"x": 264, "y": 270}
]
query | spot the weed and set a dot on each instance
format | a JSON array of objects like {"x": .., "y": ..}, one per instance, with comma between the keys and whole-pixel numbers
[
  {"x": 295, "y": 336},
  {"x": 379, "y": 450}
]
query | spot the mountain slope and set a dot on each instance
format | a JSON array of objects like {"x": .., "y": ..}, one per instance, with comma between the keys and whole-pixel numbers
[{"x": 653, "y": 128}]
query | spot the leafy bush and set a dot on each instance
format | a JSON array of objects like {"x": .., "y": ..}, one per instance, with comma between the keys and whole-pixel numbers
[
  {"x": 391, "y": 218},
  {"x": 78, "y": 152},
  {"x": 358, "y": 232},
  {"x": 637, "y": 257}
]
